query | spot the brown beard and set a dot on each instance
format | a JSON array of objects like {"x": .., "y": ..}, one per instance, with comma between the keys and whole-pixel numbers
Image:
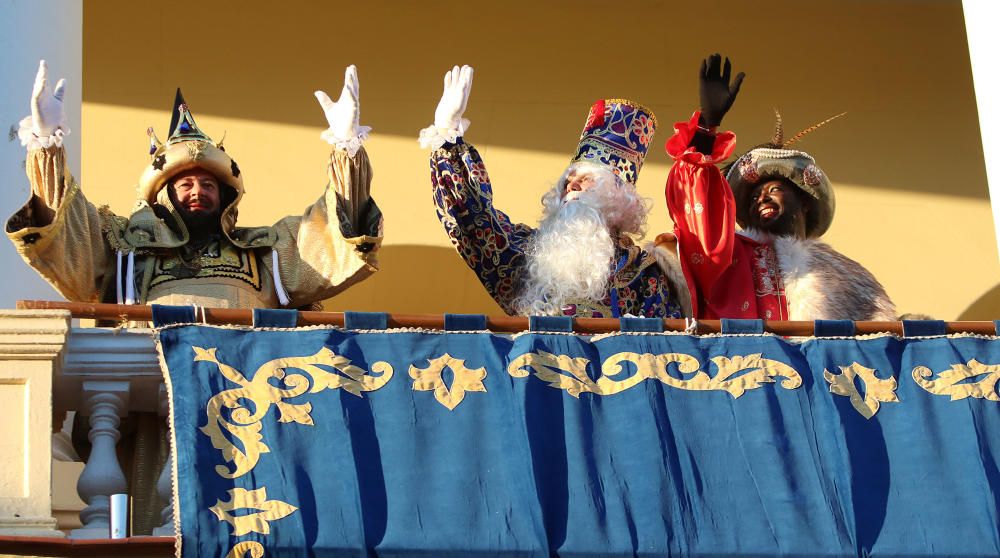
[{"x": 200, "y": 223}]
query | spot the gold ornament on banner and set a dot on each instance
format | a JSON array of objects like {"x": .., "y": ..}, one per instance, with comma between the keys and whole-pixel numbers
[
  {"x": 876, "y": 389},
  {"x": 240, "y": 550},
  {"x": 263, "y": 511},
  {"x": 429, "y": 379},
  {"x": 950, "y": 382},
  {"x": 243, "y": 420},
  {"x": 570, "y": 373},
  {"x": 549, "y": 368}
]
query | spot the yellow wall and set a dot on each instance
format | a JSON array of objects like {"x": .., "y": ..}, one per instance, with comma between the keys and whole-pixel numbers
[{"x": 906, "y": 162}]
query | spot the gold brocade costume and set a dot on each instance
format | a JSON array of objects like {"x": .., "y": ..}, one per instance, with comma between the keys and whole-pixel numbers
[
  {"x": 318, "y": 253},
  {"x": 90, "y": 254}
]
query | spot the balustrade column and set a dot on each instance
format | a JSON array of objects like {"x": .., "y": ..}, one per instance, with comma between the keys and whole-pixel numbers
[
  {"x": 105, "y": 403},
  {"x": 164, "y": 485}
]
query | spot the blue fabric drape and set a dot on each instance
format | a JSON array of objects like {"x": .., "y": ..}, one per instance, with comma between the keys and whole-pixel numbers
[
  {"x": 464, "y": 322},
  {"x": 550, "y": 323},
  {"x": 734, "y": 326},
  {"x": 365, "y": 320},
  {"x": 471, "y": 444},
  {"x": 833, "y": 328},
  {"x": 275, "y": 317},
  {"x": 917, "y": 328},
  {"x": 654, "y": 325},
  {"x": 164, "y": 314}
]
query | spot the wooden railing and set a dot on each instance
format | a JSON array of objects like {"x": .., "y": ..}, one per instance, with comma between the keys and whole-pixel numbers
[
  {"x": 47, "y": 546},
  {"x": 502, "y": 324}
]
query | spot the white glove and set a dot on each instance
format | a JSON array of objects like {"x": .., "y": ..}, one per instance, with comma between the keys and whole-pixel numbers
[
  {"x": 448, "y": 122},
  {"x": 47, "y": 124},
  {"x": 344, "y": 115},
  {"x": 457, "y": 86}
]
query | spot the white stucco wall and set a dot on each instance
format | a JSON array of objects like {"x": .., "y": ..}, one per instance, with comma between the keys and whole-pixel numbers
[
  {"x": 981, "y": 17},
  {"x": 31, "y": 30}
]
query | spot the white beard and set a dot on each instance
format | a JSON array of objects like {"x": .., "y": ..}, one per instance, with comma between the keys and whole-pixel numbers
[{"x": 571, "y": 254}]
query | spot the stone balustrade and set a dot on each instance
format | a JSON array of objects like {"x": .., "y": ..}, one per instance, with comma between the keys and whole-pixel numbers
[{"x": 47, "y": 369}]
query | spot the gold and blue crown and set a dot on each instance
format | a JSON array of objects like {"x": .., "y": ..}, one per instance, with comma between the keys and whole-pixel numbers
[{"x": 617, "y": 135}]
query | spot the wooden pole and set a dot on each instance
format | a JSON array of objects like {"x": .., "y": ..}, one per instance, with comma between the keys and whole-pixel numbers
[{"x": 502, "y": 324}]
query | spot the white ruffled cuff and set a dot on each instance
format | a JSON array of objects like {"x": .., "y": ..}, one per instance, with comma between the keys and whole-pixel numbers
[
  {"x": 351, "y": 144},
  {"x": 26, "y": 134},
  {"x": 433, "y": 137}
]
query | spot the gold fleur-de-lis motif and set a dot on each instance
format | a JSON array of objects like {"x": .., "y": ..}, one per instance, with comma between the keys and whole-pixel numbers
[
  {"x": 242, "y": 548},
  {"x": 570, "y": 374},
  {"x": 262, "y": 511},
  {"x": 243, "y": 421},
  {"x": 950, "y": 382},
  {"x": 429, "y": 379},
  {"x": 876, "y": 389}
]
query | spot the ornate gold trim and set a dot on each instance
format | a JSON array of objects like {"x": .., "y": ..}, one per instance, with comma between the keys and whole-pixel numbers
[
  {"x": 554, "y": 368},
  {"x": 243, "y": 420},
  {"x": 948, "y": 382}
]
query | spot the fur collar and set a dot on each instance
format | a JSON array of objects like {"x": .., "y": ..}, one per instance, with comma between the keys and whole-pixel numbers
[{"x": 823, "y": 284}]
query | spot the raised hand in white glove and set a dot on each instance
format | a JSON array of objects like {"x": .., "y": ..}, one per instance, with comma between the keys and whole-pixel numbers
[
  {"x": 47, "y": 124},
  {"x": 344, "y": 115},
  {"x": 449, "y": 125}
]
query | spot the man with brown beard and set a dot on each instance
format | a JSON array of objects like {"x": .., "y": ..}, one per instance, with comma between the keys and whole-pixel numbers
[
  {"x": 180, "y": 244},
  {"x": 775, "y": 268},
  {"x": 582, "y": 259}
]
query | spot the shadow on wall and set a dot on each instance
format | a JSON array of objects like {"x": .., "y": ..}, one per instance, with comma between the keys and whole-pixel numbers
[
  {"x": 418, "y": 280},
  {"x": 986, "y": 307},
  {"x": 539, "y": 66},
  {"x": 415, "y": 279}
]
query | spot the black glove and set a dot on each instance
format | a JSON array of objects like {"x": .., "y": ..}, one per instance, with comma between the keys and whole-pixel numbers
[{"x": 717, "y": 95}]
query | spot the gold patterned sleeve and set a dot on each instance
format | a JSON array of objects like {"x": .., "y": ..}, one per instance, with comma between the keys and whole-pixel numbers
[
  {"x": 351, "y": 181},
  {"x": 58, "y": 232},
  {"x": 334, "y": 244}
]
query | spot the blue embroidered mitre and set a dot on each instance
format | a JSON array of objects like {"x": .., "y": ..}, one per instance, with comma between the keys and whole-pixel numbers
[{"x": 617, "y": 136}]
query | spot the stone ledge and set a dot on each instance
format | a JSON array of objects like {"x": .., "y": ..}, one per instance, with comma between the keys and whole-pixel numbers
[
  {"x": 32, "y": 334},
  {"x": 111, "y": 353},
  {"x": 30, "y": 527}
]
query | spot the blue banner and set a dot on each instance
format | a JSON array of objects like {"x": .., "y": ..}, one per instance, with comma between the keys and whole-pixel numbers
[{"x": 325, "y": 442}]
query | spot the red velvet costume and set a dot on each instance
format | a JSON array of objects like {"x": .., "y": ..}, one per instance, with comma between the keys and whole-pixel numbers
[{"x": 729, "y": 275}]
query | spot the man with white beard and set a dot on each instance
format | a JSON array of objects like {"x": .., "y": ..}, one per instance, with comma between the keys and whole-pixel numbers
[{"x": 582, "y": 259}]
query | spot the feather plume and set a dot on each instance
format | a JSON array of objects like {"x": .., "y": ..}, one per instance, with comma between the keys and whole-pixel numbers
[
  {"x": 779, "y": 132},
  {"x": 812, "y": 128}
]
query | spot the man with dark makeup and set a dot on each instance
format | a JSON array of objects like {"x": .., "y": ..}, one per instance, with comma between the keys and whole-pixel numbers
[{"x": 775, "y": 268}]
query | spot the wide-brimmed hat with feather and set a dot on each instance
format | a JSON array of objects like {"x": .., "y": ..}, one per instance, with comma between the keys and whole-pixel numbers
[{"x": 774, "y": 159}]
